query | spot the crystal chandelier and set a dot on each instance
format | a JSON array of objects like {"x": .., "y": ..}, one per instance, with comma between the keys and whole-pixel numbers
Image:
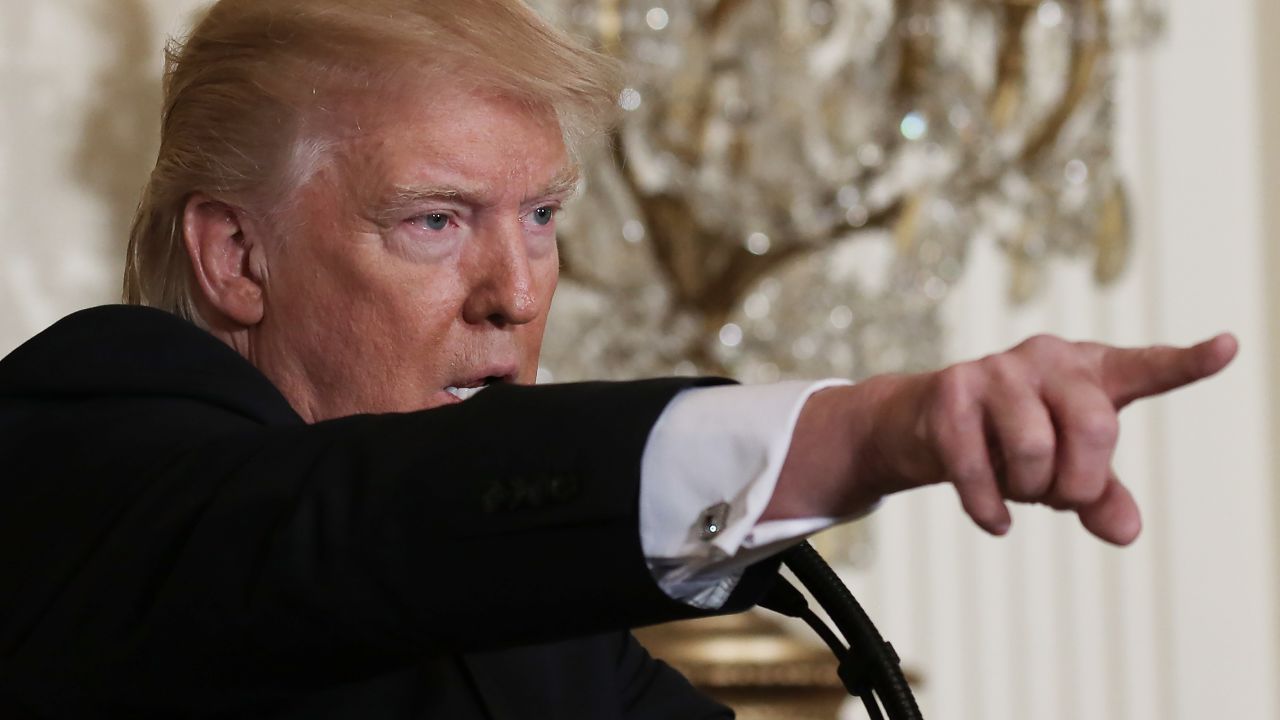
[{"x": 795, "y": 183}]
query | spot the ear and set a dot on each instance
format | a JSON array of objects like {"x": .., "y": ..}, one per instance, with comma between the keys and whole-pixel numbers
[{"x": 228, "y": 261}]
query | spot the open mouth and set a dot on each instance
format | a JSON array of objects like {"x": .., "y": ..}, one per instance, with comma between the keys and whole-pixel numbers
[{"x": 468, "y": 391}]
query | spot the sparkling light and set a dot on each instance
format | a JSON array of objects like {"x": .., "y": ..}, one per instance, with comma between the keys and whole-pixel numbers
[
  {"x": 684, "y": 368},
  {"x": 633, "y": 231},
  {"x": 804, "y": 348},
  {"x": 1077, "y": 172},
  {"x": 630, "y": 99},
  {"x": 914, "y": 126},
  {"x": 871, "y": 155},
  {"x": 657, "y": 18},
  {"x": 766, "y": 373},
  {"x": 1050, "y": 14},
  {"x": 731, "y": 335},
  {"x": 757, "y": 306},
  {"x": 841, "y": 317},
  {"x": 758, "y": 243}
]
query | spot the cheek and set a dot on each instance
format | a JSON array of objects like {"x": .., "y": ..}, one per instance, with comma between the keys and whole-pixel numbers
[
  {"x": 531, "y": 334},
  {"x": 546, "y": 276},
  {"x": 355, "y": 289},
  {"x": 530, "y": 341}
]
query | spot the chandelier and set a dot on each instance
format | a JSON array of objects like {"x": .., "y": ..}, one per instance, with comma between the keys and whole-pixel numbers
[{"x": 795, "y": 183}]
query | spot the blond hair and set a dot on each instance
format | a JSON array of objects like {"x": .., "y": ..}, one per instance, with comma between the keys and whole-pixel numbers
[{"x": 243, "y": 97}]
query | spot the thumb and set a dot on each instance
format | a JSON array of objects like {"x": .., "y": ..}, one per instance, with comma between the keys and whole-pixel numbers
[{"x": 1114, "y": 517}]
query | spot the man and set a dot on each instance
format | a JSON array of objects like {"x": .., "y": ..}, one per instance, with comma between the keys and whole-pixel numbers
[{"x": 272, "y": 494}]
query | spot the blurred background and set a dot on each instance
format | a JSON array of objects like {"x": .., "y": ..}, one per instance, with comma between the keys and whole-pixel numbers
[{"x": 809, "y": 188}]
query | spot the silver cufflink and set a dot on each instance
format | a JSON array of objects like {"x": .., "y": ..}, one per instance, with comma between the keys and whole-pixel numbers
[{"x": 713, "y": 519}]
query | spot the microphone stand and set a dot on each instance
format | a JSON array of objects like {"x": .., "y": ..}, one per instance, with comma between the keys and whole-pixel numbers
[{"x": 869, "y": 667}]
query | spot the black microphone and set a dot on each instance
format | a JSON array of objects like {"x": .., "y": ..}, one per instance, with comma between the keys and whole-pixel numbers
[{"x": 869, "y": 667}]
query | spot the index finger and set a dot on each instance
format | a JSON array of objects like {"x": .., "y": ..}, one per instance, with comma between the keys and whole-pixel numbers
[{"x": 1129, "y": 374}]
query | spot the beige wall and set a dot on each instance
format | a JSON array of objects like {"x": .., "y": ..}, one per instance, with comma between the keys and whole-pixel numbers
[
  {"x": 1267, "y": 30},
  {"x": 79, "y": 104}
]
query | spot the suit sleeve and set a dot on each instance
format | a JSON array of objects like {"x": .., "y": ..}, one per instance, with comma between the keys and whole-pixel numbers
[
  {"x": 182, "y": 556},
  {"x": 650, "y": 688}
]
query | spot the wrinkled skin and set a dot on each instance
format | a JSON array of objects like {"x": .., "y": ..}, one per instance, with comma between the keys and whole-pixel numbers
[{"x": 423, "y": 256}]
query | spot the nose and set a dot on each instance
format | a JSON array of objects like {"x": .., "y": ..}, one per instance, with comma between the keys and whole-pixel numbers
[{"x": 501, "y": 289}]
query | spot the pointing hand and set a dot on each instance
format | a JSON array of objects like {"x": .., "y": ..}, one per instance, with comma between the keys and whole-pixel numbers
[{"x": 1037, "y": 423}]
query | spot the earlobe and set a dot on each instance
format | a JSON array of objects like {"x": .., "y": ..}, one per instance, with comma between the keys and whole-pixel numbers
[{"x": 226, "y": 258}]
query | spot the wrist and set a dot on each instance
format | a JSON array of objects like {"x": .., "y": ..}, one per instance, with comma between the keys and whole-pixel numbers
[{"x": 834, "y": 466}]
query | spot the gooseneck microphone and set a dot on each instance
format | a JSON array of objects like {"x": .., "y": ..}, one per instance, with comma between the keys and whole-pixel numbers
[{"x": 869, "y": 667}]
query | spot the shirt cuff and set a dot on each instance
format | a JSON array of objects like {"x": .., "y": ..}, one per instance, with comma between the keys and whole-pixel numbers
[{"x": 707, "y": 475}]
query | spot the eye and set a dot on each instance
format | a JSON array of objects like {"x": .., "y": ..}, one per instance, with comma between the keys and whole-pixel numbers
[
  {"x": 435, "y": 221},
  {"x": 544, "y": 215}
]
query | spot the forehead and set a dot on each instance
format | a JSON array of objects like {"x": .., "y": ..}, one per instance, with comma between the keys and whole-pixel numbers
[{"x": 440, "y": 135}]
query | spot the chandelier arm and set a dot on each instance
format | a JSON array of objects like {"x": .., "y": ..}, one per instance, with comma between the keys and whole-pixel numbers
[
  {"x": 915, "y": 60},
  {"x": 885, "y": 216},
  {"x": 917, "y": 53},
  {"x": 1011, "y": 66},
  {"x": 609, "y": 26},
  {"x": 725, "y": 290},
  {"x": 1086, "y": 54},
  {"x": 720, "y": 14},
  {"x": 662, "y": 255}
]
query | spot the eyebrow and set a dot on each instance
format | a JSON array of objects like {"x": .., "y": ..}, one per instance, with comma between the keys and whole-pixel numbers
[{"x": 565, "y": 182}]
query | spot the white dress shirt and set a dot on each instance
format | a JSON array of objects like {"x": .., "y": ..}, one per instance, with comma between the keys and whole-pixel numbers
[{"x": 707, "y": 474}]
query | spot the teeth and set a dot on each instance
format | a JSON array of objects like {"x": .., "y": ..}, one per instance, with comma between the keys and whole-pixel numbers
[{"x": 464, "y": 393}]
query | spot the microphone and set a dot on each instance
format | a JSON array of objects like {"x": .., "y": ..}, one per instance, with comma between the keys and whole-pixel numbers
[{"x": 869, "y": 667}]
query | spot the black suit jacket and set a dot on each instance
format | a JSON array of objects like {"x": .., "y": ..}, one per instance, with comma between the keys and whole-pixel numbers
[{"x": 176, "y": 542}]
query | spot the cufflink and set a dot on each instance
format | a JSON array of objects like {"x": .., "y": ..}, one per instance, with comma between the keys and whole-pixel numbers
[{"x": 712, "y": 520}]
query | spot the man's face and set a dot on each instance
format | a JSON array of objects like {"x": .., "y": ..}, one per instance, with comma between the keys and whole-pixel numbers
[{"x": 421, "y": 262}]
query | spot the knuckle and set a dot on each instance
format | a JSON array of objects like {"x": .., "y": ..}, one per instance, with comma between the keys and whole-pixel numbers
[
  {"x": 955, "y": 381},
  {"x": 1098, "y": 429},
  {"x": 1005, "y": 368},
  {"x": 1032, "y": 447},
  {"x": 1041, "y": 343}
]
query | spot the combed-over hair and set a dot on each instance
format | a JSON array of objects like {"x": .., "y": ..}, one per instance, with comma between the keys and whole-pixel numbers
[{"x": 246, "y": 95}]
